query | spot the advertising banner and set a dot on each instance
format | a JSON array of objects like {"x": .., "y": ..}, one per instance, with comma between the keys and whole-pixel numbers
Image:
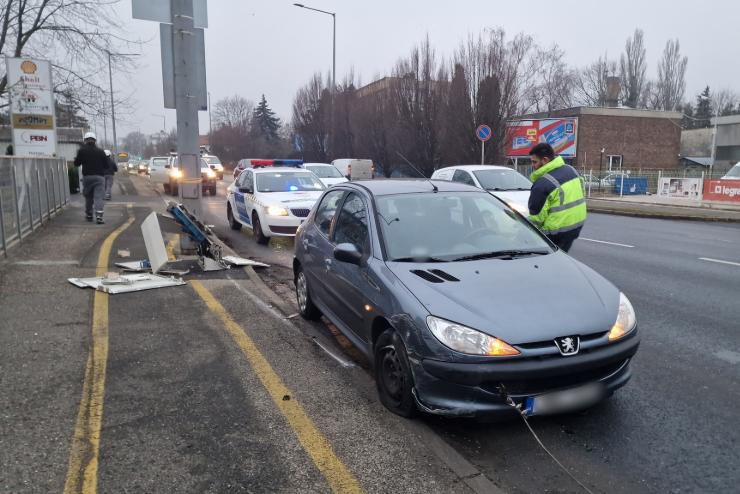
[
  {"x": 684, "y": 188},
  {"x": 560, "y": 133},
  {"x": 722, "y": 190},
  {"x": 31, "y": 106}
]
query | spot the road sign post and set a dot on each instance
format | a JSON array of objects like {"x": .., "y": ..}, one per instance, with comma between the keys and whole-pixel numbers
[{"x": 483, "y": 133}]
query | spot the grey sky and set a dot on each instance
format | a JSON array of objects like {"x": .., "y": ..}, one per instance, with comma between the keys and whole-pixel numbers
[{"x": 272, "y": 47}]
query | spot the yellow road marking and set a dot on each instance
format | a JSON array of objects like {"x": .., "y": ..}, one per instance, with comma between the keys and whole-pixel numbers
[
  {"x": 171, "y": 248},
  {"x": 82, "y": 472},
  {"x": 338, "y": 476}
]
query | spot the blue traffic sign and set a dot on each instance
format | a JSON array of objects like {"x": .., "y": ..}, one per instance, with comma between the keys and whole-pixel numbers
[{"x": 483, "y": 132}]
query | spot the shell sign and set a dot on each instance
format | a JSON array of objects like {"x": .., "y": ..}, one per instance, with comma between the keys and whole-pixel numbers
[{"x": 28, "y": 67}]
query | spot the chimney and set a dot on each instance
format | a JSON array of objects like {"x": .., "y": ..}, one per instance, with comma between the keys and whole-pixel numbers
[{"x": 612, "y": 91}]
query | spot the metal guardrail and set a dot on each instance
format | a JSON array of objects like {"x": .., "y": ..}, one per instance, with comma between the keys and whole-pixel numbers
[{"x": 32, "y": 191}]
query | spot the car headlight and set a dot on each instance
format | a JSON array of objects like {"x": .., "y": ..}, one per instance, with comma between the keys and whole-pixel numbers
[
  {"x": 211, "y": 174},
  {"x": 519, "y": 208},
  {"x": 626, "y": 319},
  {"x": 466, "y": 340},
  {"x": 176, "y": 173},
  {"x": 276, "y": 211}
]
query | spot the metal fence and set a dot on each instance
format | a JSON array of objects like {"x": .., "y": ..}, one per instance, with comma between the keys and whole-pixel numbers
[
  {"x": 636, "y": 181},
  {"x": 32, "y": 191}
]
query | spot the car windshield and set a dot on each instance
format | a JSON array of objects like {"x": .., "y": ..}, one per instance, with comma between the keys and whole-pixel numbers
[
  {"x": 734, "y": 172},
  {"x": 450, "y": 226},
  {"x": 159, "y": 161},
  {"x": 501, "y": 179},
  {"x": 288, "y": 182},
  {"x": 212, "y": 160},
  {"x": 325, "y": 171}
]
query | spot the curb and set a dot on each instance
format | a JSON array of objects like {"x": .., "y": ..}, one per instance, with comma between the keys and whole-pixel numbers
[{"x": 665, "y": 216}]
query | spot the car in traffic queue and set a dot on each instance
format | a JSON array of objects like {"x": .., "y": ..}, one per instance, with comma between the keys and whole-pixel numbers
[
  {"x": 463, "y": 307},
  {"x": 166, "y": 171},
  {"x": 214, "y": 164},
  {"x": 245, "y": 163},
  {"x": 328, "y": 174},
  {"x": 733, "y": 173},
  {"x": 505, "y": 183},
  {"x": 272, "y": 197}
]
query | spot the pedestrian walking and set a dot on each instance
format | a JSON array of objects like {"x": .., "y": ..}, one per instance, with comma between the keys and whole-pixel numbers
[
  {"x": 94, "y": 164},
  {"x": 557, "y": 203},
  {"x": 109, "y": 173}
]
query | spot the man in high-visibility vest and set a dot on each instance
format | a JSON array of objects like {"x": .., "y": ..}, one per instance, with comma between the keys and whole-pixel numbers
[{"x": 556, "y": 202}]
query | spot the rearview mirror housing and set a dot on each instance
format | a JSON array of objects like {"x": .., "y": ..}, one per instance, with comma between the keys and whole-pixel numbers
[{"x": 348, "y": 253}]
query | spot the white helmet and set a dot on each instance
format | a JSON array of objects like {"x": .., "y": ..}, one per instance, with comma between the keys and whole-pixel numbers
[
  {"x": 107, "y": 152},
  {"x": 90, "y": 135}
]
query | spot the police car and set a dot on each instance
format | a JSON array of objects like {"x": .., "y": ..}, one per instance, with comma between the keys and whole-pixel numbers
[{"x": 273, "y": 198}]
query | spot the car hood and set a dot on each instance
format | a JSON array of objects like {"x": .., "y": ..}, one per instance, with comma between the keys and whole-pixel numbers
[
  {"x": 522, "y": 300},
  {"x": 332, "y": 181},
  {"x": 520, "y": 197},
  {"x": 292, "y": 199}
]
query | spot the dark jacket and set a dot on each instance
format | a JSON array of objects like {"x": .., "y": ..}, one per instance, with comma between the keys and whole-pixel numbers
[
  {"x": 112, "y": 166},
  {"x": 92, "y": 159}
]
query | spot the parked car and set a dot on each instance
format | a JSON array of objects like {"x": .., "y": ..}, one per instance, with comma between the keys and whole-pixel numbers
[
  {"x": 606, "y": 182},
  {"x": 272, "y": 198},
  {"x": 327, "y": 173},
  {"x": 215, "y": 164},
  {"x": 459, "y": 303},
  {"x": 733, "y": 173},
  {"x": 503, "y": 182}
]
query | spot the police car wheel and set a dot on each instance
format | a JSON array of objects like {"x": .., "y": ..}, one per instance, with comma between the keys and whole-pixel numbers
[
  {"x": 303, "y": 296},
  {"x": 259, "y": 235},
  {"x": 235, "y": 225}
]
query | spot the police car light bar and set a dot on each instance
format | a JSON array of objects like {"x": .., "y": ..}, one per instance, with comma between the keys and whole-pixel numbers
[{"x": 261, "y": 163}]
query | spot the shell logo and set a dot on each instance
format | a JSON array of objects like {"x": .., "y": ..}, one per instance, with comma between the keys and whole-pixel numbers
[{"x": 28, "y": 67}]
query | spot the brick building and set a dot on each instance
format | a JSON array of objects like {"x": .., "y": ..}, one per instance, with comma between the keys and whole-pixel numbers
[{"x": 630, "y": 137}]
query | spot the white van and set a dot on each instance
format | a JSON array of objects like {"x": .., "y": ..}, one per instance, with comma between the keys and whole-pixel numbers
[
  {"x": 355, "y": 169},
  {"x": 733, "y": 173}
]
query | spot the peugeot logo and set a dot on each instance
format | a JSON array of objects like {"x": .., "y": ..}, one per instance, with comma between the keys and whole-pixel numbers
[{"x": 568, "y": 345}]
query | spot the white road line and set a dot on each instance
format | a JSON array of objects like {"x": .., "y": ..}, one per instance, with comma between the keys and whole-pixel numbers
[
  {"x": 605, "y": 242},
  {"x": 720, "y": 261}
]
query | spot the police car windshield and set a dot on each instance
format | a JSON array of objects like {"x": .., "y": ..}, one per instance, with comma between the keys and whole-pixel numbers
[
  {"x": 325, "y": 171},
  {"x": 500, "y": 179},
  {"x": 449, "y": 226},
  {"x": 288, "y": 182},
  {"x": 212, "y": 160}
]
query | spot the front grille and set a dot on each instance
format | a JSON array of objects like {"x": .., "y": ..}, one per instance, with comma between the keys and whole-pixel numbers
[
  {"x": 534, "y": 386},
  {"x": 537, "y": 345},
  {"x": 285, "y": 230},
  {"x": 300, "y": 212}
]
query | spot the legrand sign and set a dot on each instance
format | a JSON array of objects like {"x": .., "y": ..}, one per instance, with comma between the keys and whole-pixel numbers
[
  {"x": 31, "y": 106},
  {"x": 722, "y": 190}
]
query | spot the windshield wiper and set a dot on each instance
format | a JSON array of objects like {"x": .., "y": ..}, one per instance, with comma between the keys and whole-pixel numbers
[
  {"x": 418, "y": 259},
  {"x": 502, "y": 253}
]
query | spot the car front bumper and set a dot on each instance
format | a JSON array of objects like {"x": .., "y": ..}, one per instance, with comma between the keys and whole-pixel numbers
[
  {"x": 480, "y": 389},
  {"x": 281, "y": 226}
]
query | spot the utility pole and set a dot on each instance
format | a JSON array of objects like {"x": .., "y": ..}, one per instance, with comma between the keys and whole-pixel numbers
[
  {"x": 210, "y": 124},
  {"x": 112, "y": 110}
]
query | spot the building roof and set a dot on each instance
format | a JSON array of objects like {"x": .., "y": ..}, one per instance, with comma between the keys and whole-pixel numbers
[
  {"x": 699, "y": 160},
  {"x": 604, "y": 111},
  {"x": 727, "y": 120}
]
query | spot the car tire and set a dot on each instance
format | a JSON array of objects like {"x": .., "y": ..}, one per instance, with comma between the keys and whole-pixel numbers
[
  {"x": 393, "y": 377},
  {"x": 166, "y": 188},
  {"x": 306, "y": 307},
  {"x": 259, "y": 235},
  {"x": 213, "y": 190},
  {"x": 235, "y": 225}
]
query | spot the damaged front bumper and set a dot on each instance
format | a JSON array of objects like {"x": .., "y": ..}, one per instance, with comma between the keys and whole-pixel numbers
[{"x": 480, "y": 389}]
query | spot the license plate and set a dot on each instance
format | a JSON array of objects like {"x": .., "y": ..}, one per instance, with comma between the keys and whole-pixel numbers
[{"x": 567, "y": 400}]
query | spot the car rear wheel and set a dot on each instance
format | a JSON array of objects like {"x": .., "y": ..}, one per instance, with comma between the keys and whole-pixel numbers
[
  {"x": 259, "y": 235},
  {"x": 235, "y": 225},
  {"x": 303, "y": 295},
  {"x": 393, "y": 376}
]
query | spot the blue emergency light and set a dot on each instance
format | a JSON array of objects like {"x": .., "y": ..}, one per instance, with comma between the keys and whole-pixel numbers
[{"x": 264, "y": 163}]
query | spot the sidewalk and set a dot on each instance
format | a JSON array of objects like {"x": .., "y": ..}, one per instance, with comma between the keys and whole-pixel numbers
[{"x": 653, "y": 206}]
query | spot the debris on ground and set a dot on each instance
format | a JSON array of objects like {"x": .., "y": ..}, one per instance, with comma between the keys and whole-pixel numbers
[
  {"x": 114, "y": 283},
  {"x": 124, "y": 253}
]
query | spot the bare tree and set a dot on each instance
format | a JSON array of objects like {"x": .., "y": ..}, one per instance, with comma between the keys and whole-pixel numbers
[
  {"x": 311, "y": 118},
  {"x": 671, "y": 84},
  {"x": 632, "y": 69},
  {"x": 726, "y": 102},
  {"x": 65, "y": 32},
  {"x": 554, "y": 85},
  {"x": 233, "y": 111},
  {"x": 135, "y": 143},
  {"x": 590, "y": 82}
]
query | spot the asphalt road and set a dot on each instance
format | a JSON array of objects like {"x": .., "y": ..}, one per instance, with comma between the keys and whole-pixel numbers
[{"x": 674, "y": 427}]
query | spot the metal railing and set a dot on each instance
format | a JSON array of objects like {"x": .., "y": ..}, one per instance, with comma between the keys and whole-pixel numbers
[
  {"x": 32, "y": 191},
  {"x": 617, "y": 183}
]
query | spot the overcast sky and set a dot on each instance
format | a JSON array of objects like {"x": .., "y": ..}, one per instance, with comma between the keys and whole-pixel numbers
[{"x": 272, "y": 47}]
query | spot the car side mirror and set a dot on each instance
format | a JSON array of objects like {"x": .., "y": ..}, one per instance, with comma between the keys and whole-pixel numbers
[
  {"x": 167, "y": 166},
  {"x": 348, "y": 253},
  {"x": 245, "y": 190}
]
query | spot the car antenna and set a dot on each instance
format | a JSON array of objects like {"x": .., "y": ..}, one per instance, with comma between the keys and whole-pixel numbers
[{"x": 434, "y": 187}]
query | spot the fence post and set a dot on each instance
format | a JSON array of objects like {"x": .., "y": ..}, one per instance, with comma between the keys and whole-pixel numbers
[
  {"x": 48, "y": 200},
  {"x": 2, "y": 227},
  {"x": 15, "y": 200},
  {"x": 591, "y": 179},
  {"x": 38, "y": 189},
  {"x": 65, "y": 174},
  {"x": 28, "y": 202},
  {"x": 53, "y": 187}
]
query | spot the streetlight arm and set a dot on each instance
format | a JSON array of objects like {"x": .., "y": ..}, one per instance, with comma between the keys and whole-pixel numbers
[{"x": 316, "y": 10}]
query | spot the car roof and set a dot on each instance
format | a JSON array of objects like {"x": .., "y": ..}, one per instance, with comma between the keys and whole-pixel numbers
[
  {"x": 392, "y": 186},
  {"x": 472, "y": 168},
  {"x": 265, "y": 169},
  {"x": 318, "y": 164}
]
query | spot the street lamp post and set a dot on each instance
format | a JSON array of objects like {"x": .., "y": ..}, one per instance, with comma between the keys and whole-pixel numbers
[
  {"x": 112, "y": 104},
  {"x": 601, "y": 162},
  {"x": 334, "y": 42},
  {"x": 164, "y": 120}
]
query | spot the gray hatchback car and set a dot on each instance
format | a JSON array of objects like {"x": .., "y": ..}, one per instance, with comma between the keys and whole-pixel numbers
[{"x": 463, "y": 306}]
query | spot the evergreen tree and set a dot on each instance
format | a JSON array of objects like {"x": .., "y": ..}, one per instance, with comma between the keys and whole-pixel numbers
[
  {"x": 688, "y": 122},
  {"x": 704, "y": 109},
  {"x": 264, "y": 122}
]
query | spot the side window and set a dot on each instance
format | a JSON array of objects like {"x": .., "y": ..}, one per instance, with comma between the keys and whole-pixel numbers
[
  {"x": 326, "y": 211},
  {"x": 246, "y": 178},
  {"x": 352, "y": 224},
  {"x": 463, "y": 177}
]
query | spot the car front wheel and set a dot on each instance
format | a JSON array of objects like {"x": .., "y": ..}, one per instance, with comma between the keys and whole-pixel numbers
[
  {"x": 393, "y": 376},
  {"x": 235, "y": 225},
  {"x": 259, "y": 235},
  {"x": 303, "y": 295}
]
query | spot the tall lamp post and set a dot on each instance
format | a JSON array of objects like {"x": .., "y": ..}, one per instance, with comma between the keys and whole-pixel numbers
[
  {"x": 112, "y": 104},
  {"x": 164, "y": 120},
  {"x": 601, "y": 161},
  {"x": 334, "y": 42}
]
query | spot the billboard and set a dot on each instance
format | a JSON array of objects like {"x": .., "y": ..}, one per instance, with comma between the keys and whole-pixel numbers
[
  {"x": 685, "y": 188},
  {"x": 31, "y": 106},
  {"x": 722, "y": 190},
  {"x": 560, "y": 133}
]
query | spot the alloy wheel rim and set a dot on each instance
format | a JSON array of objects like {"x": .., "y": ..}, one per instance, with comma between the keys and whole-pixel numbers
[
  {"x": 392, "y": 373},
  {"x": 302, "y": 292}
]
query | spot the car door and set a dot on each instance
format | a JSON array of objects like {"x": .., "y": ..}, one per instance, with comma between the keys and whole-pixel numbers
[
  {"x": 245, "y": 183},
  {"x": 463, "y": 177},
  {"x": 317, "y": 251},
  {"x": 349, "y": 283}
]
